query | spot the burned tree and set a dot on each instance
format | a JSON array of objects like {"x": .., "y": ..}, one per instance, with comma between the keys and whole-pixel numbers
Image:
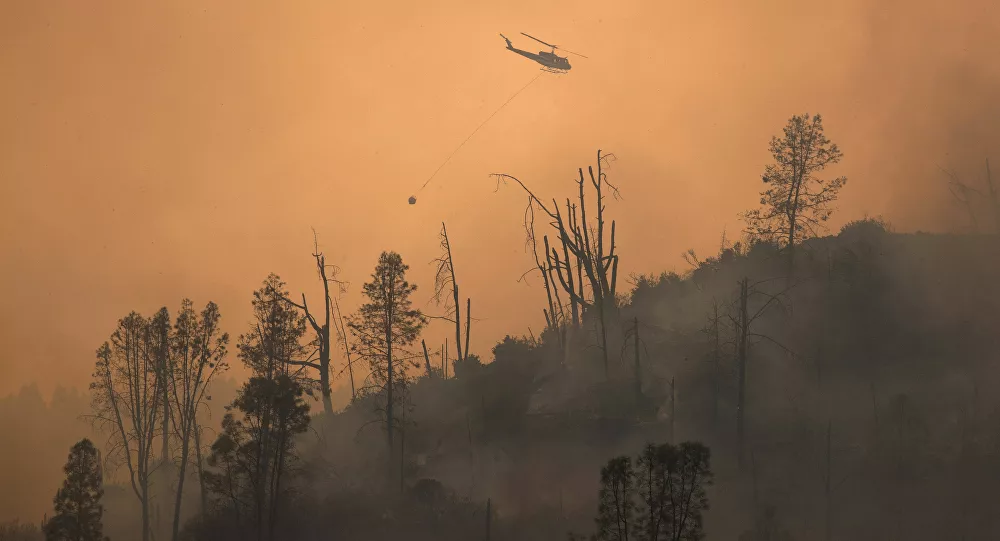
[
  {"x": 446, "y": 293},
  {"x": 712, "y": 331},
  {"x": 742, "y": 318},
  {"x": 342, "y": 338},
  {"x": 322, "y": 343},
  {"x": 581, "y": 249},
  {"x": 972, "y": 198}
]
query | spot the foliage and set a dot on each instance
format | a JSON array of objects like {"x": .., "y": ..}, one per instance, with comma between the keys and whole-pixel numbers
[
  {"x": 198, "y": 354},
  {"x": 659, "y": 496},
  {"x": 127, "y": 394},
  {"x": 796, "y": 203},
  {"x": 78, "y": 509},
  {"x": 252, "y": 459},
  {"x": 383, "y": 327},
  {"x": 273, "y": 346},
  {"x": 255, "y": 451}
]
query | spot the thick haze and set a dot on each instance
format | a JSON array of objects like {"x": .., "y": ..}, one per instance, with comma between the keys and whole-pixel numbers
[{"x": 152, "y": 152}]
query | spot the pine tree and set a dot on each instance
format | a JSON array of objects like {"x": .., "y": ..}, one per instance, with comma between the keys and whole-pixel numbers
[
  {"x": 78, "y": 503},
  {"x": 383, "y": 327},
  {"x": 796, "y": 203}
]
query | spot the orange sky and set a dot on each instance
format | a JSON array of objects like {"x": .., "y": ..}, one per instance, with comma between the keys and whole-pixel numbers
[{"x": 155, "y": 150}]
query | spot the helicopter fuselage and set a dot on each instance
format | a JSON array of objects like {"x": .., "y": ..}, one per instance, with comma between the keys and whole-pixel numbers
[{"x": 545, "y": 58}]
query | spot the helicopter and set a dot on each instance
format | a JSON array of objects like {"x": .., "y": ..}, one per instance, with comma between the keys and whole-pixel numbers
[{"x": 550, "y": 61}]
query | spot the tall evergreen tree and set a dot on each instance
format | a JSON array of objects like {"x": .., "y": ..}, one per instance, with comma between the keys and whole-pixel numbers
[
  {"x": 796, "y": 203},
  {"x": 384, "y": 326},
  {"x": 78, "y": 509},
  {"x": 253, "y": 457}
]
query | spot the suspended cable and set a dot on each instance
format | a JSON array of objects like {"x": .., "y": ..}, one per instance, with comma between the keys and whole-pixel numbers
[{"x": 413, "y": 199}]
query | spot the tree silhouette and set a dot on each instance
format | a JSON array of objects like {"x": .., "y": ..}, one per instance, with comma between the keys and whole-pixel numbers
[
  {"x": 78, "y": 509},
  {"x": 659, "y": 496},
  {"x": 383, "y": 326},
  {"x": 198, "y": 355},
  {"x": 327, "y": 275},
  {"x": 253, "y": 454},
  {"x": 446, "y": 292},
  {"x": 616, "y": 500},
  {"x": 796, "y": 203},
  {"x": 127, "y": 396},
  {"x": 584, "y": 251}
]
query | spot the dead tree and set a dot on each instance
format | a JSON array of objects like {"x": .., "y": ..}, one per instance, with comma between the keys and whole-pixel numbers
[
  {"x": 633, "y": 335},
  {"x": 967, "y": 195},
  {"x": 582, "y": 247},
  {"x": 446, "y": 283},
  {"x": 712, "y": 330},
  {"x": 427, "y": 359},
  {"x": 322, "y": 340},
  {"x": 743, "y": 319},
  {"x": 638, "y": 368},
  {"x": 554, "y": 313},
  {"x": 673, "y": 409},
  {"x": 829, "y": 486},
  {"x": 342, "y": 338}
]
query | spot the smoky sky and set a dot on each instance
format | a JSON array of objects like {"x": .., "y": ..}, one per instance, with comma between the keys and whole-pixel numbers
[{"x": 186, "y": 149}]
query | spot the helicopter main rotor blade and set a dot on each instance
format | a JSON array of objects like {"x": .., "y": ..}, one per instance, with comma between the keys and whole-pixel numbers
[
  {"x": 539, "y": 41},
  {"x": 571, "y": 52}
]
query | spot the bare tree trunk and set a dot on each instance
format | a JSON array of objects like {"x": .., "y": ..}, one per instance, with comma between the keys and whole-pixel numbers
[
  {"x": 468, "y": 324},
  {"x": 402, "y": 457},
  {"x": 342, "y": 330},
  {"x": 144, "y": 488},
  {"x": 673, "y": 411},
  {"x": 577, "y": 240},
  {"x": 201, "y": 474},
  {"x": 994, "y": 200},
  {"x": 324, "y": 373},
  {"x": 638, "y": 369},
  {"x": 175, "y": 532},
  {"x": 489, "y": 516},
  {"x": 454, "y": 291},
  {"x": 574, "y": 298},
  {"x": 322, "y": 331},
  {"x": 716, "y": 372},
  {"x": 389, "y": 374},
  {"x": 741, "y": 360},
  {"x": 165, "y": 428},
  {"x": 427, "y": 359},
  {"x": 899, "y": 470},
  {"x": 828, "y": 489}
]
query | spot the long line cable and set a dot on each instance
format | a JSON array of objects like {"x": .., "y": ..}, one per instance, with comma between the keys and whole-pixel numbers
[{"x": 511, "y": 98}]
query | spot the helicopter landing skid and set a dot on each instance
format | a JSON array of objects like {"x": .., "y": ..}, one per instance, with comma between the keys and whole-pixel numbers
[{"x": 555, "y": 71}]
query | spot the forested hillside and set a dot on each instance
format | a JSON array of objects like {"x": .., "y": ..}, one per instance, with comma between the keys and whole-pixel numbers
[{"x": 791, "y": 385}]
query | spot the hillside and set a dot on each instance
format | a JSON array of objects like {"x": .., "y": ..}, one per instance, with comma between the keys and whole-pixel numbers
[{"x": 866, "y": 405}]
